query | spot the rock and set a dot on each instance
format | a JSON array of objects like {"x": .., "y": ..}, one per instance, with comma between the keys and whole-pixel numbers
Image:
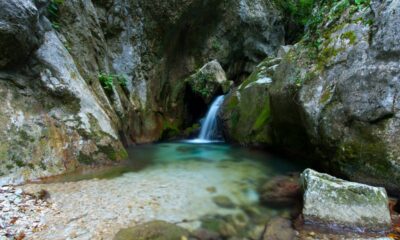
[
  {"x": 244, "y": 121},
  {"x": 279, "y": 229},
  {"x": 21, "y": 213},
  {"x": 40, "y": 194},
  {"x": 154, "y": 230},
  {"x": 18, "y": 191},
  {"x": 203, "y": 234},
  {"x": 223, "y": 201},
  {"x": 208, "y": 81},
  {"x": 20, "y": 33},
  {"x": 225, "y": 226},
  {"x": 68, "y": 113},
  {"x": 281, "y": 191},
  {"x": 337, "y": 101},
  {"x": 136, "y": 43},
  {"x": 397, "y": 206},
  {"x": 211, "y": 189},
  {"x": 336, "y": 203}
]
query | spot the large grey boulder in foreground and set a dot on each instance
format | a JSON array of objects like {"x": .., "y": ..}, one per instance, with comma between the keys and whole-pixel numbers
[{"x": 336, "y": 203}]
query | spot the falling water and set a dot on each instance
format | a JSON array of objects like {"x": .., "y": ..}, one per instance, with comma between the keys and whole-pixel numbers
[{"x": 209, "y": 129}]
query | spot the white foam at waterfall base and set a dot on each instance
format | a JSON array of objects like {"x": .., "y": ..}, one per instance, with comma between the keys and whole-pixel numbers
[{"x": 209, "y": 128}]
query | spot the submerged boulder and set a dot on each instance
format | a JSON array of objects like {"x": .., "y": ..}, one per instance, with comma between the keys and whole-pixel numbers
[
  {"x": 281, "y": 191},
  {"x": 154, "y": 230},
  {"x": 279, "y": 228},
  {"x": 336, "y": 203}
]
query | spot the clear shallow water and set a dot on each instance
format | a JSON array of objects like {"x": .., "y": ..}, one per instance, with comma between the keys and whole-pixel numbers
[
  {"x": 152, "y": 156},
  {"x": 177, "y": 182}
]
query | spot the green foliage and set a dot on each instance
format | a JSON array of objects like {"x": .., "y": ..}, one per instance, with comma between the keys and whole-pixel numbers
[
  {"x": 329, "y": 12},
  {"x": 107, "y": 81},
  {"x": 53, "y": 10},
  {"x": 200, "y": 84},
  {"x": 296, "y": 15}
]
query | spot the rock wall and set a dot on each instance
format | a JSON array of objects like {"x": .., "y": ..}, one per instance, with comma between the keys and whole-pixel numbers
[
  {"x": 81, "y": 78},
  {"x": 51, "y": 121},
  {"x": 334, "y": 97},
  {"x": 156, "y": 45}
]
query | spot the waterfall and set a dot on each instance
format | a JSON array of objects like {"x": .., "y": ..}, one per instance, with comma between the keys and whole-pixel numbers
[{"x": 209, "y": 131}]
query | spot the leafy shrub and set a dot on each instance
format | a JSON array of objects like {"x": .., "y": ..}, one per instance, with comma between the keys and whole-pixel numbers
[
  {"x": 53, "y": 10},
  {"x": 107, "y": 81}
]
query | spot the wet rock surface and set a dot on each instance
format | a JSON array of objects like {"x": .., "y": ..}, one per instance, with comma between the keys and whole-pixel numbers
[{"x": 335, "y": 203}]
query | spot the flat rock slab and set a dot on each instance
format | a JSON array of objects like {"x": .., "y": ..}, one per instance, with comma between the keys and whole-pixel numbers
[{"x": 336, "y": 203}]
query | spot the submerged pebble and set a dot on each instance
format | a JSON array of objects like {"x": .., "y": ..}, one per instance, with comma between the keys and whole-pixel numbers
[{"x": 223, "y": 201}]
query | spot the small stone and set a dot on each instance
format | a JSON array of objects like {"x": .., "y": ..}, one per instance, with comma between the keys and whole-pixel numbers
[
  {"x": 204, "y": 234},
  {"x": 18, "y": 191},
  {"x": 223, "y": 201},
  {"x": 17, "y": 200},
  {"x": 211, "y": 189},
  {"x": 279, "y": 229}
]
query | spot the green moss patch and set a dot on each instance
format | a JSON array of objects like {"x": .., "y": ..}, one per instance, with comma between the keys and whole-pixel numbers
[
  {"x": 112, "y": 153},
  {"x": 264, "y": 116},
  {"x": 350, "y": 35},
  {"x": 85, "y": 159}
]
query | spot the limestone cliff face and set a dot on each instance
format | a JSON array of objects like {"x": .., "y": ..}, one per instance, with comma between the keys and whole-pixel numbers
[
  {"x": 80, "y": 78},
  {"x": 335, "y": 93},
  {"x": 51, "y": 121},
  {"x": 157, "y": 44}
]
